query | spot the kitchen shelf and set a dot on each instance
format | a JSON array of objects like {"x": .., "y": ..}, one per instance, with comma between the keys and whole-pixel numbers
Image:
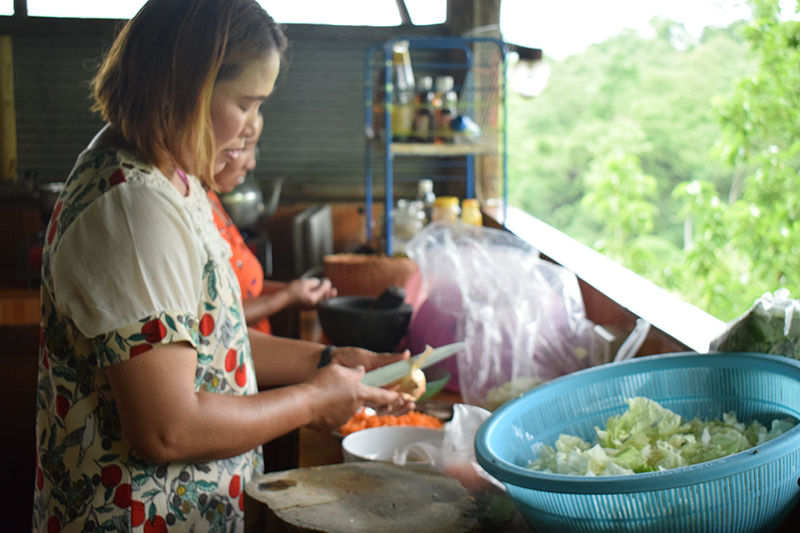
[
  {"x": 478, "y": 66},
  {"x": 441, "y": 150}
]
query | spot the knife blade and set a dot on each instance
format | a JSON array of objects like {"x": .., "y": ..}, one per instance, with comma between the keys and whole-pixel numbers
[{"x": 390, "y": 373}]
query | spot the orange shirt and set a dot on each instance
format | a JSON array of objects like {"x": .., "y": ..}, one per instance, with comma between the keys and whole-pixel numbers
[{"x": 243, "y": 260}]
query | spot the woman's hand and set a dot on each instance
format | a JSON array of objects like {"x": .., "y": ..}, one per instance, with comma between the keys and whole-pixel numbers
[
  {"x": 306, "y": 293},
  {"x": 340, "y": 393},
  {"x": 353, "y": 357}
]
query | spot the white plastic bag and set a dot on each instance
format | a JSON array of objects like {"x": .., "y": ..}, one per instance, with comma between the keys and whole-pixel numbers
[
  {"x": 522, "y": 317},
  {"x": 771, "y": 325},
  {"x": 456, "y": 458}
]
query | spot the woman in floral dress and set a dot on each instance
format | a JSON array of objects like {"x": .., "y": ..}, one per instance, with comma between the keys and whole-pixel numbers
[{"x": 148, "y": 410}]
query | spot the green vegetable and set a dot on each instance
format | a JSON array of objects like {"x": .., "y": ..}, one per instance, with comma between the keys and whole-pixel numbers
[
  {"x": 648, "y": 437},
  {"x": 770, "y": 326}
]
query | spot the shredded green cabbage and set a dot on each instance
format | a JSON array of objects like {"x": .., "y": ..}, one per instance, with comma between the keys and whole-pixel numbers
[{"x": 648, "y": 437}]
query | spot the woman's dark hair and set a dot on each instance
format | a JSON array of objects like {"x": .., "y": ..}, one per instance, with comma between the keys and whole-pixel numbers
[{"x": 156, "y": 82}]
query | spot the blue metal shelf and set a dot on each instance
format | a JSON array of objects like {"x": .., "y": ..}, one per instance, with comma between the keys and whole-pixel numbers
[{"x": 470, "y": 93}]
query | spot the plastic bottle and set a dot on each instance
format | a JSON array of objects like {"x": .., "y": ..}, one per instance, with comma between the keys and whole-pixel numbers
[
  {"x": 445, "y": 109},
  {"x": 465, "y": 130},
  {"x": 407, "y": 220},
  {"x": 471, "y": 212},
  {"x": 426, "y": 197},
  {"x": 424, "y": 112},
  {"x": 403, "y": 93},
  {"x": 445, "y": 209}
]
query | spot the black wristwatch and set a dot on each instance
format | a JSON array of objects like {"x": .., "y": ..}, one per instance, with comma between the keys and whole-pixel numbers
[{"x": 325, "y": 356}]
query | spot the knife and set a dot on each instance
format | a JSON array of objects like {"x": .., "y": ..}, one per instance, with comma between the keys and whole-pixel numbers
[{"x": 390, "y": 373}]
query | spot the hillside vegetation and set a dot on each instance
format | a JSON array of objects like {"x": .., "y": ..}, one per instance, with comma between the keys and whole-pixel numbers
[{"x": 678, "y": 159}]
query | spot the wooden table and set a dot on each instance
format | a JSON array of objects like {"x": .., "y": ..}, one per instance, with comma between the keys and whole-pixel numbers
[{"x": 323, "y": 448}]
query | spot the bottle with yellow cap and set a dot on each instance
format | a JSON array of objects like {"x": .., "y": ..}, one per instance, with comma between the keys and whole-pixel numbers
[
  {"x": 471, "y": 212},
  {"x": 445, "y": 209}
]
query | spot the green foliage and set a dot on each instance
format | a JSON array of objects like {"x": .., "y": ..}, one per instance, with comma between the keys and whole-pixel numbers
[
  {"x": 632, "y": 149},
  {"x": 761, "y": 121}
]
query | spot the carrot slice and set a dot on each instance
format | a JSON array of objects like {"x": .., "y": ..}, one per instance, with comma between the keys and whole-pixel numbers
[{"x": 362, "y": 420}]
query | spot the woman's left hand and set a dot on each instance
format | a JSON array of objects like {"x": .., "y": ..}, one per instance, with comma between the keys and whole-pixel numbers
[
  {"x": 352, "y": 357},
  {"x": 306, "y": 293}
]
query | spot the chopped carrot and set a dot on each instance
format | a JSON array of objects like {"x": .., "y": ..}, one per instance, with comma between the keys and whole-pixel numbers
[{"x": 362, "y": 420}]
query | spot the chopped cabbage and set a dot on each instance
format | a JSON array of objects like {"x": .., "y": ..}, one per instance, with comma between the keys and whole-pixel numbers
[{"x": 648, "y": 437}]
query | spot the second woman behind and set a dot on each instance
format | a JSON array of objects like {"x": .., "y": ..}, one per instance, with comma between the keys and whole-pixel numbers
[{"x": 261, "y": 298}]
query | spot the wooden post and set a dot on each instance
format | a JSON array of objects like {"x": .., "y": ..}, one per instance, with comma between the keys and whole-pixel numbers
[{"x": 8, "y": 121}]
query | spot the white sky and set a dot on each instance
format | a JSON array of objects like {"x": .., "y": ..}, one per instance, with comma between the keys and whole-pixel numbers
[
  {"x": 559, "y": 27},
  {"x": 569, "y": 26},
  {"x": 565, "y": 27}
]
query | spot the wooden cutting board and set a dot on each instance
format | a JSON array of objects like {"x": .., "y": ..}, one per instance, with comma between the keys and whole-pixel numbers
[{"x": 358, "y": 497}]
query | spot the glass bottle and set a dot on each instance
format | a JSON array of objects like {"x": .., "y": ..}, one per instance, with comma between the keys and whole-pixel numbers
[
  {"x": 402, "y": 93},
  {"x": 471, "y": 212},
  {"x": 445, "y": 109},
  {"x": 424, "y": 114},
  {"x": 445, "y": 209},
  {"x": 426, "y": 197}
]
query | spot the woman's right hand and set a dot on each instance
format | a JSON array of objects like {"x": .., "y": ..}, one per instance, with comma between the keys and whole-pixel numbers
[{"x": 337, "y": 393}]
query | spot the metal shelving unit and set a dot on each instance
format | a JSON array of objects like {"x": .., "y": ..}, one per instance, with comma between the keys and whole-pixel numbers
[{"x": 478, "y": 66}]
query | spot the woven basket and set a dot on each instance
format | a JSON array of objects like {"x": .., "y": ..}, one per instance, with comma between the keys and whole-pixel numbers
[{"x": 366, "y": 275}]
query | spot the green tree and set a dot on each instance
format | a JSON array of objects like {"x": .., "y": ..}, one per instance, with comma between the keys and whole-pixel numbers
[
  {"x": 750, "y": 246},
  {"x": 619, "y": 153},
  {"x": 667, "y": 91}
]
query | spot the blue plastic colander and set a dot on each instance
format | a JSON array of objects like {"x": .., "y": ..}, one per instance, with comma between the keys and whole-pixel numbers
[{"x": 749, "y": 491}]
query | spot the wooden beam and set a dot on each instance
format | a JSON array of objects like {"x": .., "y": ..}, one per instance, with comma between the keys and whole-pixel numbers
[
  {"x": 8, "y": 121},
  {"x": 20, "y": 8},
  {"x": 459, "y": 16},
  {"x": 465, "y": 15}
]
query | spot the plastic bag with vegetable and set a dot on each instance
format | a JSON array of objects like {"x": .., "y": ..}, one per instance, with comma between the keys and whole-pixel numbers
[
  {"x": 522, "y": 318},
  {"x": 771, "y": 325}
]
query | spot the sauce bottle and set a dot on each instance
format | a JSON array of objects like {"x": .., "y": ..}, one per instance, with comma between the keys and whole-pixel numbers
[
  {"x": 403, "y": 93},
  {"x": 471, "y": 212},
  {"x": 445, "y": 109},
  {"x": 424, "y": 114}
]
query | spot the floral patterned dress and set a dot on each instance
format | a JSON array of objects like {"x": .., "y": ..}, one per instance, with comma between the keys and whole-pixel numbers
[{"x": 130, "y": 264}]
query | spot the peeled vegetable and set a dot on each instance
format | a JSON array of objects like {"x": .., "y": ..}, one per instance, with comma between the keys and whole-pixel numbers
[
  {"x": 648, "y": 438},
  {"x": 412, "y": 385}
]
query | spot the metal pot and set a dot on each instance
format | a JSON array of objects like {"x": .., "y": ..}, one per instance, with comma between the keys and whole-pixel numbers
[{"x": 245, "y": 203}]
